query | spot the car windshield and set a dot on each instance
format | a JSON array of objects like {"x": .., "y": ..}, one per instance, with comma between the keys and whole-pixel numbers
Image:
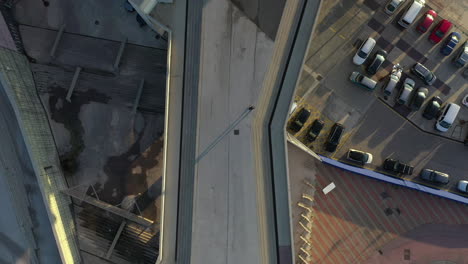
[
  {"x": 444, "y": 124},
  {"x": 356, "y": 155},
  {"x": 464, "y": 56},
  {"x": 439, "y": 33},
  {"x": 428, "y": 75},
  {"x": 391, "y": 7},
  {"x": 362, "y": 54}
]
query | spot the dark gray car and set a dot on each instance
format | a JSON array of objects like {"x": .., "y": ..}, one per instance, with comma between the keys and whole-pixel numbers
[
  {"x": 462, "y": 57},
  {"x": 418, "y": 98},
  {"x": 434, "y": 176},
  {"x": 424, "y": 73},
  {"x": 432, "y": 108},
  {"x": 379, "y": 59}
]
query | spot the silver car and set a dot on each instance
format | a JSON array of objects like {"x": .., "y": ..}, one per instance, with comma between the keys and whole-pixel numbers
[
  {"x": 462, "y": 58},
  {"x": 434, "y": 176},
  {"x": 362, "y": 81},
  {"x": 406, "y": 90},
  {"x": 424, "y": 73},
  {"x": 392, "y": 6}
]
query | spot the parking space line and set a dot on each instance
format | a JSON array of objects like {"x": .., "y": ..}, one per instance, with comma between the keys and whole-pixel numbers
[{"x": 343, "y": 37}]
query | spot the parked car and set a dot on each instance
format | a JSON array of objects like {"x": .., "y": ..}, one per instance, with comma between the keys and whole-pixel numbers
[
  {"x": 334, "y": 137},
  {"x": 299, "y": 120},
  {"x": 411, "y": 13},
  {"x": 379, "y": 59},
  {"x": 406, "y": 90},
  {"x": 398, "y": 167},
  {"x": 363, "y": 81},
  {"x": 427, "y": 21},
  {"x": 450, "y": 44},
  {"x": 434, "y": 176},
  {"x": 364, "y": 51},
  {"x": 463, "y": 186},
  {"x": 359, "y": 156},
  {"x": 424, "y": 73},
  {"x": 462, "y": 57},
  {"x": 465, "y": 100},
  {"x": 314, "y": 130},
  {"x": 432, "y": 109},
  {"x": 418, "y": 98},
  {"x": 393, "y": 80},
  {"x": 448, "y": 115},
  {"x": 440, "y": 30},
  {"x": 392, "y": 6}
]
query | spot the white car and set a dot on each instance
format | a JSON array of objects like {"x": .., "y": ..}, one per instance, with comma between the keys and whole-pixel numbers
[
  {"x": 465, "y": 100},
  {"x": 393, "y": 80},
  {"x": 364, "y": 51},
  {"x": 463, "y": 186}
]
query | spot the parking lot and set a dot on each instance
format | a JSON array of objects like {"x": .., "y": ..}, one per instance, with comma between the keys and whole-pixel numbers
[{"x": 373, "y": 123}]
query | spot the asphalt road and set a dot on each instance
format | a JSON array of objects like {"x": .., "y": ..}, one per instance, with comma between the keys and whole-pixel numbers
[{"x": 397, "y": 138}]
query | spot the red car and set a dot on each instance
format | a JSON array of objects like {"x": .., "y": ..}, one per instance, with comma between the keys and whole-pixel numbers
[
  {"x": 426, "y": 23},
  {"x": 439, "y": 32}
]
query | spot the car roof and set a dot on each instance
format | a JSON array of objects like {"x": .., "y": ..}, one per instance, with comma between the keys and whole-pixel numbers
[
  {"x": 368, "y": 45},
  {"x": 444, "y": 25},
  {"x": 455, "y": 34}
]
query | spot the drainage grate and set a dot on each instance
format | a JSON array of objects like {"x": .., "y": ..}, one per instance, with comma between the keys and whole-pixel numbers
[
  {"x": 236, "y": 132},
  {"x": 407, "y": 254}
]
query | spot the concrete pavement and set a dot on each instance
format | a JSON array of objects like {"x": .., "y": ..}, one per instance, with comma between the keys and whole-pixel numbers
[
  {"x": 266, "y": 14},
  {"x": 225, "y": 226},
  {"x": 105, "y": 19}
]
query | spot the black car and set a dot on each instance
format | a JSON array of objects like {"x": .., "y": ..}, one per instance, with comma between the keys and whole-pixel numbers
[
  {"x": 334, "y": 137},
  {"x": 314, "y": 130},
  {"x": 358, "y": 156},
  {"x": 418, "y": 98},
  {"x": 434, "y": 176},
  {"x": 432, "y": 108},
  {"x": 379, "y": 59},
  {"x": 299, "y": 120},
  {"x": 398, "y": 167}
]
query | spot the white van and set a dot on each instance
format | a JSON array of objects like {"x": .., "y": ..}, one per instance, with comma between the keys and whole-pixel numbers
[
  {"x": 411, "y": 13},
  {"x": 448, "y": 116}
]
